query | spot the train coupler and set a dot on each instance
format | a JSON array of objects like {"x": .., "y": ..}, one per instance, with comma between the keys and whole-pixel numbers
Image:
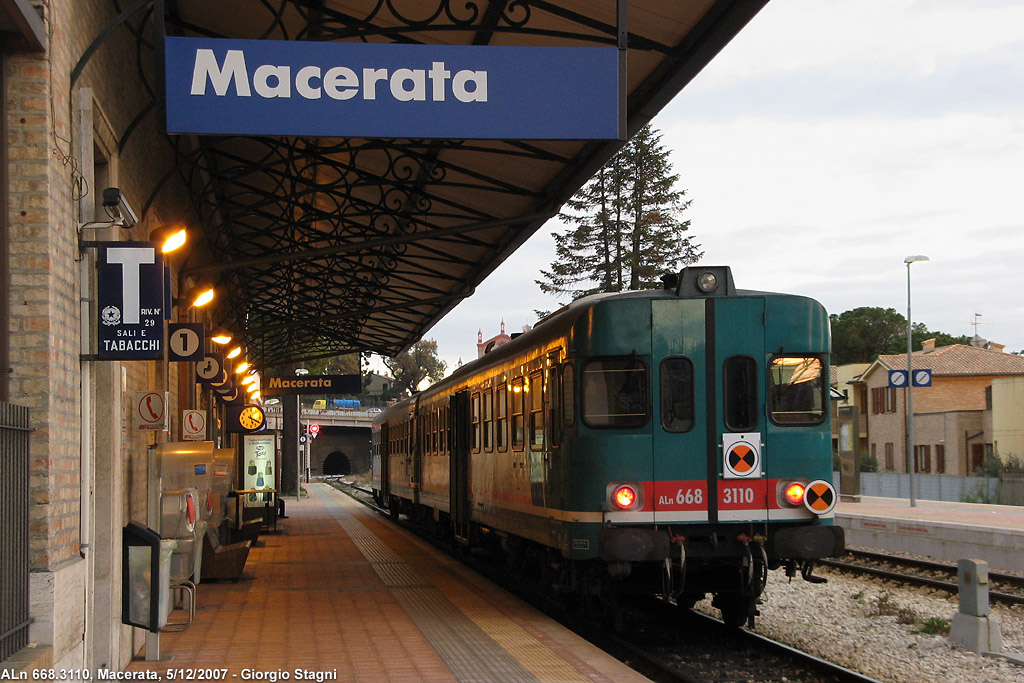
[{"x": 807, "y": 573}]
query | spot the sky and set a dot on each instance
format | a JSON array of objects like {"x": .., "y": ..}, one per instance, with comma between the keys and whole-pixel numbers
[{"x": 828, "y": 141}]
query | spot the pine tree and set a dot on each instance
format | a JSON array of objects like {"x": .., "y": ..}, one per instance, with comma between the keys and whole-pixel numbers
[{"x": 625, "y": 225}]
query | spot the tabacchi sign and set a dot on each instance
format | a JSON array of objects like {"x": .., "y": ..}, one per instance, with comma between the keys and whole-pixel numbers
[
  {"x": 130, "y": 301},
  {"x": 276, "y": 87}
]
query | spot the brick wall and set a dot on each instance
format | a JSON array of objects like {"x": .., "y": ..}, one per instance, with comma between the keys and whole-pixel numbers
[{"x": 46, "y": 183}]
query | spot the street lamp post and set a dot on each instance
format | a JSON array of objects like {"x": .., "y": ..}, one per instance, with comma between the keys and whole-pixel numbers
[{"x": 910, "y": 383}]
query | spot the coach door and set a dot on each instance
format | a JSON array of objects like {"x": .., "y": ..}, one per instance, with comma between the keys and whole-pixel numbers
[
  {"x": 680, "y": 426},
  {"x": 739, "y": 482},
  {"x": 458, "y": 470}
]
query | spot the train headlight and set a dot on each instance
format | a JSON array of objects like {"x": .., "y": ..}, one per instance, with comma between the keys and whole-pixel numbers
[
  {"x": 794, "y": 493},
  {"x": 625, "y": 497},
  {"x": 707, "y": 282}
]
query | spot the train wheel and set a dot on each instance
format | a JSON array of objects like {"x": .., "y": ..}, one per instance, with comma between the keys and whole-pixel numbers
[{"x": 736, "y": 609}]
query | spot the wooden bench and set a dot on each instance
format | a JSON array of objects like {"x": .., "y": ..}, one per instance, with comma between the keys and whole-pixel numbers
[{"x": 223, "y": 561}]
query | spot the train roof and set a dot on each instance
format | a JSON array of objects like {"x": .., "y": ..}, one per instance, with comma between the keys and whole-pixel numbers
[{"x": 681, "y": 285}]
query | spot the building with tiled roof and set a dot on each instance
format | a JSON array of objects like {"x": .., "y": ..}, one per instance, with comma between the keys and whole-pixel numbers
[{"x": 953, "y": 418}]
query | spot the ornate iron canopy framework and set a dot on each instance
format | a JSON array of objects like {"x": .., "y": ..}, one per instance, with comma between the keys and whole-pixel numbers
[{"x": 322, "y": 246}]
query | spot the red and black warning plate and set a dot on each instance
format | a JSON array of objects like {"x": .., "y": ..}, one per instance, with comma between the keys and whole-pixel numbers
[
  {"x": 743, "y": 459},
  {"x": 820, "y": 497}
]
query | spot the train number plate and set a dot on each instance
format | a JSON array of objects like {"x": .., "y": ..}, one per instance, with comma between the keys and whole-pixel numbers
[
  {"x": 681, "y": 495},
  {"x": 742, "y": 495}
]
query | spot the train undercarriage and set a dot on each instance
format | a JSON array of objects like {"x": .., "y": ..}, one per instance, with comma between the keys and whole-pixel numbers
[{"x": 729, "y": 563}]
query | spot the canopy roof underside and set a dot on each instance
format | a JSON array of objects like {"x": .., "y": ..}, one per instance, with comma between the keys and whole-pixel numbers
[{"x": 323, "y": 246}]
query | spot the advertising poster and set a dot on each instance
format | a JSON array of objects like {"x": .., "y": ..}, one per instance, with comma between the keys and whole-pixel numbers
[{"x": 259, "y": 471}]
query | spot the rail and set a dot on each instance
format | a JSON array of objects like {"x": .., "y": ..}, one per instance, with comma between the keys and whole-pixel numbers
[{"x": 14, "y": 502}]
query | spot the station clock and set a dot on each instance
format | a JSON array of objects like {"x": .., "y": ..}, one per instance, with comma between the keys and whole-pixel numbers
[{"x": 245, "y": 419}]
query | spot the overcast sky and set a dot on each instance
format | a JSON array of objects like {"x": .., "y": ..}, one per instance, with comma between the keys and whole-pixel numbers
[{"x": 827, "y": 142}]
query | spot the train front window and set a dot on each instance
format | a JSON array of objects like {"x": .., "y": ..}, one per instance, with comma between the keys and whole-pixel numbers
[
  {"x": 614, "y": 392},
  {"x": 677, "y": 394},
  {"x": 739, "y": 393},
  {"x": 797, "y": 390}
]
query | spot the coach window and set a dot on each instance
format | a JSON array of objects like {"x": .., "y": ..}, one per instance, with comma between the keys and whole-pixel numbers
[
  {"x": 614, "y": 392},
  {"x": 433, "y": 432},
  {"x": 518, "y": 427},
  {"x": 537, "y": 410},
  {"x": 739, "y": 393},
  {"x": 501, "y": 415},
  {"x": 488, "y": 421},
  {"x": 677, "y": 394},
  {"x": 796, "y": 386},
  {"x": 568, "y": 395},
  {"x": 475, "y": 421},
  {"x": 442, "y": 431}
]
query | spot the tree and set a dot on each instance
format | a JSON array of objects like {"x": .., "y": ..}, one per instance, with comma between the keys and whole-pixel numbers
[
  {"x": 419, "y": 363},
  {"x": 859, "y": 335},
  {"x": 625, "y": 225},
  {"x": 862, "y": 334}
]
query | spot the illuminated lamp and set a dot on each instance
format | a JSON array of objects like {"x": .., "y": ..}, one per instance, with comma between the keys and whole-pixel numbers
[
  {"x": 794, "y": 493},
  {"x": 171, "y": 237},
  {"x": 220, "y": 336},
  {"x": 624, "y": 497}
]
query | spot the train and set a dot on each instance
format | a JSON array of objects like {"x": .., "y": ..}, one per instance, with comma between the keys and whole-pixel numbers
[{"x": 672, "y": 442}]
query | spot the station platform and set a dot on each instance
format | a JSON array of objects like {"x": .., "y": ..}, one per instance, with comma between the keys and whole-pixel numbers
[
  {"x": 340, "y": 593},
  {"x": 944, "y": 531}
]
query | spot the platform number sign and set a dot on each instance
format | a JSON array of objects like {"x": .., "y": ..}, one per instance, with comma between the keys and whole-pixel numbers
[
  {"x": 185, "y": 341},
  {"x": 741, "y": 456}
]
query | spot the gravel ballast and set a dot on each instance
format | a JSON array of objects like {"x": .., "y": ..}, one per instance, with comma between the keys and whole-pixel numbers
[{"x": 878, "y": 629}]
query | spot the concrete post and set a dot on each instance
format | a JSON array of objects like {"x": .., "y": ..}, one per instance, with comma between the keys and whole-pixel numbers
[{"x": 973, "y": 627}]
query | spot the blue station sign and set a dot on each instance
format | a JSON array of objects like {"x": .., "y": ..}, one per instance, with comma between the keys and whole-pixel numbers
[
  {"x": 276, "y": 87},
  {"x": 130, "y": 301}
]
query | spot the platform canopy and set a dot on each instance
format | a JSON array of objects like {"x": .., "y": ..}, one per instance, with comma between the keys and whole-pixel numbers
[{"x": 323, "y": 246}]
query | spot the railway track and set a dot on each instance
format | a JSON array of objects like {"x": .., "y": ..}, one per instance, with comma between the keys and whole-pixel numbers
[
  {"x": 1007, "y": 589},
  {"x": 666, "y": 643}
]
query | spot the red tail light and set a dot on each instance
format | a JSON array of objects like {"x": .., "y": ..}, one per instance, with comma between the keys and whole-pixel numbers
[
  {"x": 624, "y": 497},
  {"x": 794, "y": 493}
]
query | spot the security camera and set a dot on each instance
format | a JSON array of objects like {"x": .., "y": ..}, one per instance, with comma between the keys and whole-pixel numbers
[{"x": 118, "y": 209}]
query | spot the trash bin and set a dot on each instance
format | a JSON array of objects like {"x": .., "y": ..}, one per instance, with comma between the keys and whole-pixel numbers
[{"x": 145, "y": 577}]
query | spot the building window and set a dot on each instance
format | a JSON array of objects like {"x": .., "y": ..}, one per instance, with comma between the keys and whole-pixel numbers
[
  {"x": 940, "y": 458},
  {"x": 923, "y": 458},
  {"x": 988, "y": 397},
  {"x": 890, "y": 463},
  {"x": 883, "y": 400}
]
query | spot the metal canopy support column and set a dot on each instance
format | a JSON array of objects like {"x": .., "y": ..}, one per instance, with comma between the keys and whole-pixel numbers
[{"x": 623, "y": 44}]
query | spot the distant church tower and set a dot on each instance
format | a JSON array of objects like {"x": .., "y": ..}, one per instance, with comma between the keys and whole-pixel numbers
[{"x": 483, "y": 347}]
